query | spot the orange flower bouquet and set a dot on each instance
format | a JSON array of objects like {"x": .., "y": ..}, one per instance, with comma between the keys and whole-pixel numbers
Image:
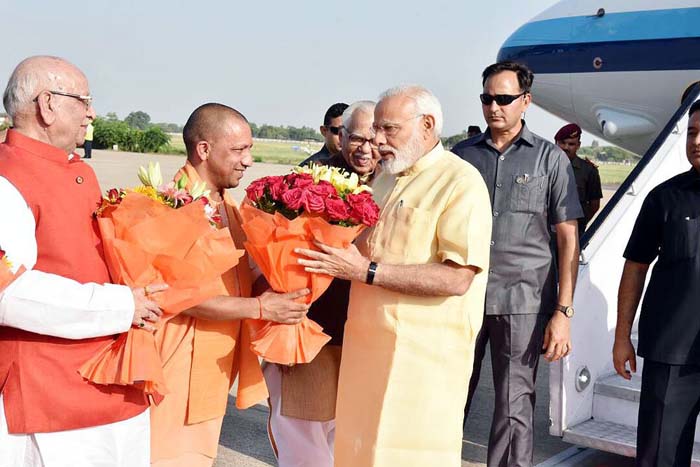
[
  {"x": 158, "y": 233},
  {"x": 6, "y": 274},
  {"x": 282, "y": 213}
]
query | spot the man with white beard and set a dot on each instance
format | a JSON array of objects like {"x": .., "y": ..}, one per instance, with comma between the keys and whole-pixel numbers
[{"x": 417, "y": 295}]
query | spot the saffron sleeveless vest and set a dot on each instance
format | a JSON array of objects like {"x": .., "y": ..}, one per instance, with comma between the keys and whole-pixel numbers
[{"x": 39, "y": 380}]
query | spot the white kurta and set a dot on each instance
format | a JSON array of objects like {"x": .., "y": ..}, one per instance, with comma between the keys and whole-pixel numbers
[{"x": 57, "y": 306}]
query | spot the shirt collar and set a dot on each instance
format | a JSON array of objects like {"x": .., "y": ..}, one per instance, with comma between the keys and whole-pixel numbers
[
  {"x": 692, "y": 178},
  {"x": 426, "y": 161},
  {"x": 525, "y": 136},
  {"x": 40, "y": 149},
  {"x": 576, "y": 162}
]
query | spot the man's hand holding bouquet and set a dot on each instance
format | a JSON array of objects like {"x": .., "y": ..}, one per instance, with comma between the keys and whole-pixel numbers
[{"x": 281, "y": 213}]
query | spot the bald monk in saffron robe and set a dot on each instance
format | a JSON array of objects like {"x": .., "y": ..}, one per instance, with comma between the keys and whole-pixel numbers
[{"x": 207, "y": 347}]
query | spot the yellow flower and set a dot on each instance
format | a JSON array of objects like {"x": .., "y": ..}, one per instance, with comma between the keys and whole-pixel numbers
[
  {"x": 343, "y": 181},
  {"x": 149, "y": 191},
  {"x": 303, "y": 170},
  {"x": 361, "y": 188},
  {"x": 7, "y": 262}
]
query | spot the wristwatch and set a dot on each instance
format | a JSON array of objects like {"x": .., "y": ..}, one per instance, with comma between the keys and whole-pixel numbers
[{"x": 567, "y": 310}]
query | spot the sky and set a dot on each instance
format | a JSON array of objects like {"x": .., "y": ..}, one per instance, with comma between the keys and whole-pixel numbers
[{"x": 278, "y": 62}]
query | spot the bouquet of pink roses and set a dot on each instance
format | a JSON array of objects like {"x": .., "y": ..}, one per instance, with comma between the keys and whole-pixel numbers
[{"x": 281, "y": 213}]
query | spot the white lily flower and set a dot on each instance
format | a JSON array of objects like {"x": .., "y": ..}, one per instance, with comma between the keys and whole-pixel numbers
[
  {"x": 143, "y": 176},
  {"x": 199, "y": 189},
  {"x": 151, "y": 176},
  {"x": 155, "y": 174}
]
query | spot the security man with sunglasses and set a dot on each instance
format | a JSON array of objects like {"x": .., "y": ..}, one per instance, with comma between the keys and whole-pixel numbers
[
  {"x": 332, "y": 123},
  {"x": 532, "y": 186}
]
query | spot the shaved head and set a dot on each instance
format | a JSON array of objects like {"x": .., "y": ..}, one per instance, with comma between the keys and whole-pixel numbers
[
  {"x": 207, "y": 122},
  {"x": 219, "y": 142}
]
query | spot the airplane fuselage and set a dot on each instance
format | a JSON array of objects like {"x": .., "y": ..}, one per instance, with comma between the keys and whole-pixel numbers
[{"x": 618, "y": 68}]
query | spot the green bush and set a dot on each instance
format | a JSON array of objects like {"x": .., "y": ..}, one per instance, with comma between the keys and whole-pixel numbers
[
  {"x": 111, "y": 132},
  {"x": 153, "y": 140}
]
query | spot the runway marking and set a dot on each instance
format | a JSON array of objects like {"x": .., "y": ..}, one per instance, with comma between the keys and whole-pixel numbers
[
  {"x": 568, "y": 458},
  {"x": 464, "y": 441}
]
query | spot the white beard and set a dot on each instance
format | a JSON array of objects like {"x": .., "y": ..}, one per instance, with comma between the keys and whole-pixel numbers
[{"x": 405, "y": 157}]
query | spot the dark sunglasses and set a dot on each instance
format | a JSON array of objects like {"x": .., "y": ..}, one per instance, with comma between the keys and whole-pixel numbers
[
  {"x": 501, "y": 99},
  {"x": 334, "y": 129}
]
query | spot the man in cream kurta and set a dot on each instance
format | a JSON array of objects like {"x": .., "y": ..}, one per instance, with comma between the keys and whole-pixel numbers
[{"x": 417, "y": 296}]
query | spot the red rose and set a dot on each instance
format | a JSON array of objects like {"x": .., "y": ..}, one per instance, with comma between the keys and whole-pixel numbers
[
  {"x": 337, "y": 208},
  {"x": 363, "y": 208},
  {"x": 293, "y": 198},
  {"x": 313, "y": 202},
  {"x": 323, "y": 188},
  {"x": 277, "y": 187},
  {"x": 256, "y": 189},
  {"x": 295, "y": 180}
]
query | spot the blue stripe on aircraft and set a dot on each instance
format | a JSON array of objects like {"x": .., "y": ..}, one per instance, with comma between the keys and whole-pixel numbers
[
  {"x": 645, "y": 55},
  {"x": 625, "y": 26}
]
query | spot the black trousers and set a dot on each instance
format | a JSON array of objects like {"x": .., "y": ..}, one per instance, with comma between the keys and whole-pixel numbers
[
  {"x": 515, "y": 344},
  {"x": 87, "y": 146},
  {"x": 668, "y": 408}
]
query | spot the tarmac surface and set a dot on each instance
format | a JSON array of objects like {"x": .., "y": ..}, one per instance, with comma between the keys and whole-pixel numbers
[{"x": 244, "y": 441}]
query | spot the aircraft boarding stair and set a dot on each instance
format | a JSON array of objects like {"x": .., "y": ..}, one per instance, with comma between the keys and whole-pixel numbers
[
  {"x": 590, "y": 405},
  {"x": 613, "y": 427}
]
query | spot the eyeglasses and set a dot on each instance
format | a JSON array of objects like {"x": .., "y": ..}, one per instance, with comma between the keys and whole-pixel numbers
[
  {"x": 501, "y": 99},
  {"x": 391, "y": 129},
  {"x": 358, "y": 140},
  {"x": 334, "y": 129},
  {"x": 87, "y": 100}
]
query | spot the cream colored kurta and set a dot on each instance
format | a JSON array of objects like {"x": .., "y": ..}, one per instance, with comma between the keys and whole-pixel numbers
[{"x": 407, "y": 359}]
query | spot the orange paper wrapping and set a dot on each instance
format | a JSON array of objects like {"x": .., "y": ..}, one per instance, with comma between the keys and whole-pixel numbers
[
  {"x": 271, "y": 243},
  {"x": 146, "y": 242}
]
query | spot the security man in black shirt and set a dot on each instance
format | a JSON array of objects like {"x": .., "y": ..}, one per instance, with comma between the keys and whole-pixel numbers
[
  {"x": 668, "y": 227},
  {"x": 330, "y": 130}
]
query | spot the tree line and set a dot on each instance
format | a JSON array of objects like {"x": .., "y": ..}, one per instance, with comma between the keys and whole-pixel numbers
[
  {"x": 595, "y": 151},
  {"x": 135, "y": 133}
]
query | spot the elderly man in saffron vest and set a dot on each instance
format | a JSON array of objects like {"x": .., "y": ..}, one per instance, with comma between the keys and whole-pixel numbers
[
  {"x": 417, "y": 295},
  {"x": 207, "y": 346},
  {"x": 54, "y": 316}
]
